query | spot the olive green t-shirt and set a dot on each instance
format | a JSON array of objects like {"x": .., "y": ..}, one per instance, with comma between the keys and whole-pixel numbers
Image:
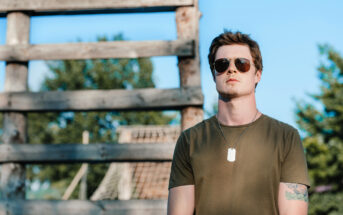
[{"x": 268, "y": 152}]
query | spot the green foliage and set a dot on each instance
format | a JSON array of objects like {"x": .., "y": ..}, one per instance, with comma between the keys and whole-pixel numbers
[
  {"x": 67, "y": 127},
  {"x": 326, "y": 204},
  {"x": 323, "y": 124}
]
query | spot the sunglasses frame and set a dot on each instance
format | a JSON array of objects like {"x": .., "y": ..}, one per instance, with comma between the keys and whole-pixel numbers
[{"x": 235, "y": 63}]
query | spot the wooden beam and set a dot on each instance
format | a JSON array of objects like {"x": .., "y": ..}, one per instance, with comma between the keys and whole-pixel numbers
[
  {"x": 73, "y": 207},
  {"x": 102, "y": 100},
  {"x": 12, "y": 181},
  {"x": 76, "y": 153},
  {"x": 187, "y": 21},
  {"x": 47, "y": 7},
  {"x": 96, "y": 50}
]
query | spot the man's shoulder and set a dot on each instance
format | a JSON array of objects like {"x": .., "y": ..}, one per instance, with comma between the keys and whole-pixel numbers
[
  {"x": 279, "y": 125},
  {"x": 199, "y": 128}
]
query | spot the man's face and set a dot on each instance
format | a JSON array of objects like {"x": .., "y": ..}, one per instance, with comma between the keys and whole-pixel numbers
[{"x": 233, "y": 83}]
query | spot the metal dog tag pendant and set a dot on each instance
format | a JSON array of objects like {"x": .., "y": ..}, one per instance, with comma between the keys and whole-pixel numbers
[{"x": 231, "y": 155}]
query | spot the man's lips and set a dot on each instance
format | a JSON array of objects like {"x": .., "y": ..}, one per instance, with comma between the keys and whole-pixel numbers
[{"x": 232, "y": 80}]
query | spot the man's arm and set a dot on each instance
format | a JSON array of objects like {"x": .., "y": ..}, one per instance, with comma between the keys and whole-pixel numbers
[
  {"x": 181, "y": 200},
  {"x": 293, "y": 199}
]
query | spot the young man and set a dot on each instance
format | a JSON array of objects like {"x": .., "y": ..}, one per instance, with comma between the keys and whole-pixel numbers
[{"x": 239, "y": 161}]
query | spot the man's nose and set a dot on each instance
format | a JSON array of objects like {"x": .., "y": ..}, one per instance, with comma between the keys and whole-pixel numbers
[{"x": 232, "y": 68}]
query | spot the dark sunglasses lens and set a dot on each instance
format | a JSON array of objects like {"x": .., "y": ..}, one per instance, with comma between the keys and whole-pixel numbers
[
  {"x": 221, "y": 65},
  {"x": 242, "y": 64}
]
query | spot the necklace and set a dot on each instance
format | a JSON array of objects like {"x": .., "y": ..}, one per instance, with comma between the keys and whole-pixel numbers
[{"x": 231, "y": 153}]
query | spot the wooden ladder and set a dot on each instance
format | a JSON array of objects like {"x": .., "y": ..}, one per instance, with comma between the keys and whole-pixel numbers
[{"x": 16, "y": 101}]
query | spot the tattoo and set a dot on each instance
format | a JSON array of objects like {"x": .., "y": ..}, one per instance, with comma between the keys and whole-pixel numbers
[{"x": 296, "y": 192}]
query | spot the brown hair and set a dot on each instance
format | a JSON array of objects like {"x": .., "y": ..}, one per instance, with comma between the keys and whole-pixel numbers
[{"x": 230, "y": 38}]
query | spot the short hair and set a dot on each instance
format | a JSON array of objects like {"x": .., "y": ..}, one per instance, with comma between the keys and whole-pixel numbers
[{"x": 230, "y": 38}]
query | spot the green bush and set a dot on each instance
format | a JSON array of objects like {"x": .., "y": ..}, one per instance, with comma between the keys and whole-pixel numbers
[{"x": 326, "y": 204}]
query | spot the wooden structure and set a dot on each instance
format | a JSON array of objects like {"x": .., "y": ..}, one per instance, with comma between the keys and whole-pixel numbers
[
  {"x": 139, "y": 180},
  {"x": 16, "y": 101}
]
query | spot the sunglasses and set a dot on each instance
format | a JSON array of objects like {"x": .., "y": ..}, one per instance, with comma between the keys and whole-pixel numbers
[{"x": 222, "y": 64}]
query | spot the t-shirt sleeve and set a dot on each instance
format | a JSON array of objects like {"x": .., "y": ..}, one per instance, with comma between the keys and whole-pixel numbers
[
  {"x": 294, "y": 166},
  {"x": 181, "y": 169}
]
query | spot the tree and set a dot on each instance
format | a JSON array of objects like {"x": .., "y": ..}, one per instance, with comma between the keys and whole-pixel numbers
[
  {"x": 323, "y": 126},
  {"x": 67, "y": 127}
]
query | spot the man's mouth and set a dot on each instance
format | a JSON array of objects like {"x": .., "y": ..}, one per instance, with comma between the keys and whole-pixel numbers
[{"x": 232, "y": 80}]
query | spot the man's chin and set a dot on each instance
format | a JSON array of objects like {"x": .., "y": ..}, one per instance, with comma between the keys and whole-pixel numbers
[{"x": 227, "y": 96}]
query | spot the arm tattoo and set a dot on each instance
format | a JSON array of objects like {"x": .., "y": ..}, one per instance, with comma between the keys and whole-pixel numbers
[{"x": 296, "y": 192}]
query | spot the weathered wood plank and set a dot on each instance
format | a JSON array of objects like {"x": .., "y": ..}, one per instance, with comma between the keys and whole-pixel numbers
[
  {"x": 187, "y": 20},
  {"x": 96, "y": 50},
  {"x": 77, "y": 207},
  {"x": 12, "y": 181},
  {"x": 102, "y": 100},
  {"x": 76, "y": 153},
  {"x": 83, "y": 6}
]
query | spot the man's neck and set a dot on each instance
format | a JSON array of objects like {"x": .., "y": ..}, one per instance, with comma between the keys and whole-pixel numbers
[{"x": 237, "y": 111}]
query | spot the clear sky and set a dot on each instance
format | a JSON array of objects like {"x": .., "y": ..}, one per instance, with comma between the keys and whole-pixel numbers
[{"x": 288, "y": 33}]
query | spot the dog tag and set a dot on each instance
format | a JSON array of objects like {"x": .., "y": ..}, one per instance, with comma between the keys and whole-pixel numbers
[{"x": 231, "y": 155}]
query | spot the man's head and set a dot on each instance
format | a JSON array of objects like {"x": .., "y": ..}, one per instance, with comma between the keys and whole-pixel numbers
[
  {"x": 236, "y": 64},
  {"x": 230, "y": 38}
]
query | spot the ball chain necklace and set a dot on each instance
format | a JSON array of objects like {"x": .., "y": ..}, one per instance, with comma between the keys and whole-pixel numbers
[{"x": 231, "y": 153}]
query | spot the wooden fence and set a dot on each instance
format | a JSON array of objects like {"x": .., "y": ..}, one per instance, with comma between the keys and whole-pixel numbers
[{"x": 16, "y": 101}]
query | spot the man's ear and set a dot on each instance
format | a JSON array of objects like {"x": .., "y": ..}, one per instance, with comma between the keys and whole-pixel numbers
[{"x": 258, "y": 75}]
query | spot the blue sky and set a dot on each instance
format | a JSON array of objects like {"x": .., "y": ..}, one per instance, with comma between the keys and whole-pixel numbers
[{"x": 288, "y": 33}]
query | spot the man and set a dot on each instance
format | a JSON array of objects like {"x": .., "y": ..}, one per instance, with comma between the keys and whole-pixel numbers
[{"x": 239, "y": 161}]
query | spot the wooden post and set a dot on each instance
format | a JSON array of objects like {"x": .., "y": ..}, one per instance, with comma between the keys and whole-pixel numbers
[
  {"x": 83, "y": 183},
  {"x": 187, "y": 21},
  {"x": 12, "y": 180},
  {"x": 124, "y": 182}
]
